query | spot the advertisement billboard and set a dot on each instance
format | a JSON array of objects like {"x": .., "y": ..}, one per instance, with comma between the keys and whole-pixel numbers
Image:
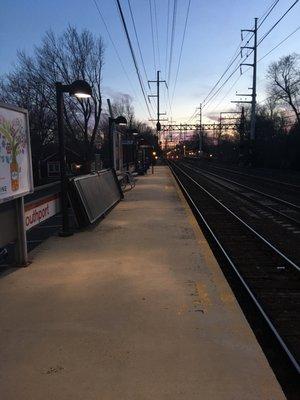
[{"x": 15, "y": 153}]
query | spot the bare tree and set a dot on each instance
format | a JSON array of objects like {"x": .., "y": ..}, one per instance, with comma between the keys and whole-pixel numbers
[
  {"x": 16, "y": 89},
  {"x": 271, "y": 103},
  {"x": 284, "y": 82},
  {"x": 63, "y": 58},
  {"x": 122, "y": 105}
]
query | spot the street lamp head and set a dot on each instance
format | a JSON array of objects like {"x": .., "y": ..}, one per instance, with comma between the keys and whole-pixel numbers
[
  {"x": 80, "y": 89},
  {"x": 120, "y": 120}
]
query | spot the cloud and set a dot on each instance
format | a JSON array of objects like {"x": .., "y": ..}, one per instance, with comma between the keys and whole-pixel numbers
[
  {"x": 213, "y": 116},
  {"x": 115, "y": 94}
]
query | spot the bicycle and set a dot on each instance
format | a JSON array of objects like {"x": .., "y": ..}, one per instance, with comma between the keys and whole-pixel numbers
[{"x": 127, "y": 179}]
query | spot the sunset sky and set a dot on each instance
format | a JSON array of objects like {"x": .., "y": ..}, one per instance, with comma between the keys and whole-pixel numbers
[{"x": 212, "y": 38}]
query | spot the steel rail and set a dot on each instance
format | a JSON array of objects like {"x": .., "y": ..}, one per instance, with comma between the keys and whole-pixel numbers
[
  {"x": 294, "y": 206},
  {"x": 256, "y": 302},
  {"x": 297, "y": 267},
  {"x": 262, "y": 178},
  {"x": 287, "y": 203}
]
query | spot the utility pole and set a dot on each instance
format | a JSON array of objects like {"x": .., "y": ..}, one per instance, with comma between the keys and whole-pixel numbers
[
  {"x": 242, "y": 134},
  {"x": 200, "y": 129},
  {"x": 253, "y": 89},
  {"x": 220, "y": 131},
  {"x": 253, "y": 105},
  {"x": 157, "y": 95}
]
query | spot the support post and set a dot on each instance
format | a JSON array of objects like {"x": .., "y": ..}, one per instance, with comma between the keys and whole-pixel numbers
[
  {"x": 111, "y": 144},
  {"x": 62, "y": 152},
  {"x": 157, "y": 95},
  {"x": 111, "y": 139},
  {"x": 253, "y": 94},
  {"x": 253, "y": 105},
  {"x": 21, "y": 250},
  {"x": 158, "y": 103},
  {"x": 200, "y": 130},
  {"x": 220, "y": 129}
]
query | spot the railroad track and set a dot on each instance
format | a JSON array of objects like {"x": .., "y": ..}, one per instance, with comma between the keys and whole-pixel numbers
[
  {"x": 275, "y": 204},
  {"x": 290, "y": 191},
  {"x": 268, "y": 271}
]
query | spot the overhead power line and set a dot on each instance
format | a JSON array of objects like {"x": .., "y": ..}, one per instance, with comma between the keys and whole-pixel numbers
[
  {"x": 277, "y": 45},
  {"x": 192, "y": 116},
  {"x": 180, "y": 55},
  {"x": 137, "y": 39},
  {"x": 169, "y": 102},
  {"x": 152, "y": 34},
  {"x": 260, "y": 41},
  {"x": 235, "y": 56},
  {"x": 206, "y": 100},
  {"x": 277, "y": 22},
  {"x": 227, "y": 93},
  {"x": 237, "y": 52},
  {"x": 280, "y": 43},
  {"x": 133, "y": 55},
  {"x": 116, "y": 50},
  {"x": 237, "y": 67},
  {"x": 264, "y": 56},
  {"x": 267, "y": 13},
  {"x": 172, "y": 41},
  {"x": 156, "y": 29},
  {"x": 167, "y": 38}
]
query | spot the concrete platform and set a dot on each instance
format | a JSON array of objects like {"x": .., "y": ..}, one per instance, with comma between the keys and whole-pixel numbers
[{"x": 134, "y": 309}]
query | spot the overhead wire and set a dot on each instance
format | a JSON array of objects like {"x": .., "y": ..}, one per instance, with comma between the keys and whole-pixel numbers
[
  {"x": 167, "y": 93},
  {"x": 133, "y": 55},
  {"x": 152, "y": 34},
  {"x": 192, "y": 116},
  {"x": 237, "y": 52},
  {"x": 169, "y": 102},
  {"x": 267, "y": 13},
  {"x": 270, "y": 51},
  {"x": 116, "y": 51},
  {"x": 277, "y": 22},
  {"x": 167, "y": 37},
  {"x": 137, "y": 38},
  {"x": 229, "y": 77},
  {"x": 156, "y": 29},
  {"x": 181, "y": 48},
  {"x": 139, "y": 48},
  {"x": 174, "y": 15},
  {"x": 231, "y": 62},
  {"x": 227, "y": 93},
  {"x": 172, "y": 41},
  {"x": 206, "y": 100},
  {"x": 276, "y": 46},
  {"x": 280, "y": 43}
]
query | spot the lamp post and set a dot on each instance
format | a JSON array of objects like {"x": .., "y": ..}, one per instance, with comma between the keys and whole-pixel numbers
[
  {"x": 81, "y": 90},
  {"x": 111, "y": 125}
]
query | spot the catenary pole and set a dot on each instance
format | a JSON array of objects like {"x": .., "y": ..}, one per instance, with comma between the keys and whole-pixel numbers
[
  {"x": 253, "y": 105},
  {"x": 157, "y": 95}
]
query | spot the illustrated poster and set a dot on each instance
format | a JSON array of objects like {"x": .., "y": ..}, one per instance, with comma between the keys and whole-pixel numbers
[{"x": 15, "y": 154}]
